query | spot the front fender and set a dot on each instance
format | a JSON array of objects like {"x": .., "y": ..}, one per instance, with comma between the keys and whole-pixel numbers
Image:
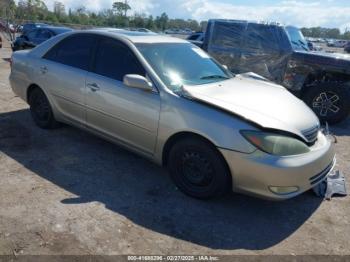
[{"x": 180, "y": 115}]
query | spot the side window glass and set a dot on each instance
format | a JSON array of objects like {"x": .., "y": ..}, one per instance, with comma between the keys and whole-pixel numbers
[
  {"x": 73, "y": 51},
  {"x": 115, "y": 60},
  {"x": 262, "y": 37},
  {"x": 228, "y": 35},
  {"x": 45, "y": 34},
  {"x": 32, "y": 34},
  {"x": 193, "y": 37}
]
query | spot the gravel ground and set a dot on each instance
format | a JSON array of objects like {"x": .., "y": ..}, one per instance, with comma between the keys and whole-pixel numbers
[{"x": 68, "y": 192}]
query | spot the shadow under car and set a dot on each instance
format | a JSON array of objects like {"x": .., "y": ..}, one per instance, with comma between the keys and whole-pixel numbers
[{"x": 96, "y": 170}]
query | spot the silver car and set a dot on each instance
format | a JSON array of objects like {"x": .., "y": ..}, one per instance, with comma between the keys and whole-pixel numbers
[{"x": 167, "y": 100}]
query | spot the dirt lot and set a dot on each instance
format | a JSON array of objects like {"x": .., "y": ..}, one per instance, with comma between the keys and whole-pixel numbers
[{"x": 67, "y": 192}]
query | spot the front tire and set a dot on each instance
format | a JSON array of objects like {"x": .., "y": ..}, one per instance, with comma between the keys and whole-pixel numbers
[
  {"x": 198, "y": 169},
  {"x": 41, "y": 110},
  {"x": 329, "y": 101}
]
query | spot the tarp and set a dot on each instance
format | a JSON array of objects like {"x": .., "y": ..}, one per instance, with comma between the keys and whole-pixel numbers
[{"x": 249, "y": 47}]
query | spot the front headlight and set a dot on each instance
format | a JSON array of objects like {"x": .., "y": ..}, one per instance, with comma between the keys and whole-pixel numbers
[{"x": 275, "y": 144}]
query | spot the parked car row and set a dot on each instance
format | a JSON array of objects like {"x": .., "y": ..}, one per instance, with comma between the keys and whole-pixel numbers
[
  {"x": 174, "y": 31},
  {"x": 337, "y": 43},
  {"x": 34, "y": 34},
  {"x": 313, "y": 47}
]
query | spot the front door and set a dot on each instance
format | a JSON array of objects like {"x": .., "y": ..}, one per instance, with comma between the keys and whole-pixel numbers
[{"x": 127, "y": 114}]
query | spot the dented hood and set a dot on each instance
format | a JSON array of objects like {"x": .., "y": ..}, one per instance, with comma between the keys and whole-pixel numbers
[{"x": 257, "y": 100}]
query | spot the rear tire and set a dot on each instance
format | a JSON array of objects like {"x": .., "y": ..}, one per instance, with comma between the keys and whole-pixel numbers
[
  {"x": 198, "y": 169},
  {"x": 329, "y": 101},
  {"x": 41, "y": 110}
]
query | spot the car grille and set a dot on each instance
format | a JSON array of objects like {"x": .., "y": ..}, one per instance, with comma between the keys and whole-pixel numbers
[
  {"x": 311, "y": 134},
  {"x": 320, "y": 176}
]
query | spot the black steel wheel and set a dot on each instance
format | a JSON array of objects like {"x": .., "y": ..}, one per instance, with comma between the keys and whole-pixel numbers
[
  {"x": 198, "y": 169},
  {"x": 40, "y": 109}
]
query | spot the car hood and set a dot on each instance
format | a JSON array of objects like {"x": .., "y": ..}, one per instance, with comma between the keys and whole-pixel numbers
[
  {"x": 332, "y": 55},
  {"x": 323, "y": 59},
  {"x": 257, "y": 100}
]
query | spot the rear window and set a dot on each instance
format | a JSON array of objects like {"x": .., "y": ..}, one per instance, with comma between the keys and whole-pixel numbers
[{"x": 73, "y": 51}]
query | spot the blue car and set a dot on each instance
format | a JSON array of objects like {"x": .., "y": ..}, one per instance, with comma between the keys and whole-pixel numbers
[{"x": 34, "y": 37}]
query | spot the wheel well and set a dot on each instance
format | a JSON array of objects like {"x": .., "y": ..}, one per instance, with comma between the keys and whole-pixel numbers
[
  {"x": 182, "y": 135},
  {"x": 322, "y": 77},
  {"x": 179, "y": 136},
  {"x": 30, "y": 90}
]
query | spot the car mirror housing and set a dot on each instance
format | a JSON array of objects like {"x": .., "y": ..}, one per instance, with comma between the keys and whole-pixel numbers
[{"x": 137, "y": 81}]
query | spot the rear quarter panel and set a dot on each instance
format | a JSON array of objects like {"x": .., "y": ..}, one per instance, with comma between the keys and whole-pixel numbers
[
  {"x": 21, "y": 72},
  {"x": 26, "y": 65}
]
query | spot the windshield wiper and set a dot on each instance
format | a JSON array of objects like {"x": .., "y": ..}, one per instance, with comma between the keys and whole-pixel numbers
[
  {"x": 214, "y": 77},
  {"x": 302, "y": 46},
  {"x": 301, "y": 42},
  {"x": 296, "y": 43}
]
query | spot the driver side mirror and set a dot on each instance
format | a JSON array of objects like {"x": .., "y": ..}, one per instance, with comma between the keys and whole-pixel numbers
[{"x": 137, "y": 81}]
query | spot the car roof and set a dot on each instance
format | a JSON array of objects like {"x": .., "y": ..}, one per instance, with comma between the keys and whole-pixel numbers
[
  {"x": 136, "y": 36},
  {"x": 56, "y": 28},
  {"x": 266, "y": 23},
  {"x": 52, "y": 28},
  {"x": 35, "y": 24}
]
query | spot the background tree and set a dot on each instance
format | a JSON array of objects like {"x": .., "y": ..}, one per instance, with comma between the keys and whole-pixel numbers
[
  {"x": 121, "y": 8},
  {"x": 150, "y": 23},
  {"x": 59, "y": 9},
  {"x": 162, "y": 21},
  {"x": 7, "y": 8}
]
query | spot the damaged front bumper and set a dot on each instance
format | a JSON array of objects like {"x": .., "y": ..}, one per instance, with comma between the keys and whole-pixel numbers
[{"x": 278, "y": 178}]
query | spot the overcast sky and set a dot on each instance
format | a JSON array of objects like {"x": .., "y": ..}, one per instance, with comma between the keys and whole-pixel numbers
[{"x": 328, "y": 13}]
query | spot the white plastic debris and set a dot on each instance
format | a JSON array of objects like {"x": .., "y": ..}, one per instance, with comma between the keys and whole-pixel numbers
[{"x": 333, "y": 185}]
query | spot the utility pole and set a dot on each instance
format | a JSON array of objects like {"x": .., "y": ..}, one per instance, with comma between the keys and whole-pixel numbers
[{"x": 126, "y": 4}]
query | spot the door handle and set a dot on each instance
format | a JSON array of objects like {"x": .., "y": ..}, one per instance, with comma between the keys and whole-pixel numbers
[
  {"x": 43, "y": 69},
  {"x": 93, "y": 87}
]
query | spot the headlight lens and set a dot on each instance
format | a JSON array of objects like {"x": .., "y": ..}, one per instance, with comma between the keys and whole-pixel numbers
[{"x": 275, "y": 144}]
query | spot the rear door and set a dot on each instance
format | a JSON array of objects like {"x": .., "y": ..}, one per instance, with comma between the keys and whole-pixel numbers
[
  {"x": 127, "y": 114},
  {"x": 63, "y": 72}
]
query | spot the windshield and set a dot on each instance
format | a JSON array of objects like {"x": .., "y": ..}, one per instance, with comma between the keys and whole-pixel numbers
[
  {"x": 297, "y": 39},
  {"x": 180, "y": 64}
]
